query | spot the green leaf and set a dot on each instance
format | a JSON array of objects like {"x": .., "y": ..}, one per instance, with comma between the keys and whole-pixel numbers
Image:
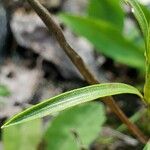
[
  {"x": 70, "y": 99},
  {"x": 4, "y": 91},
  {"x": 23, "y": 137},
  {"x": 147, "y": 147},
  {"x": 146, "y": 12},
  {"x": 148, "y": 47},
  {"x": 140, "y": 16},
  {"x": 84, "y": 120},
  {"x": 101, "y": 9},
  {"x": 107, "y": 39}
]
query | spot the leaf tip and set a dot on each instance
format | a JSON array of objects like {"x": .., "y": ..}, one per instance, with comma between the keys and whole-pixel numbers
[
  {"x": 8, "y": 124},
  {"x": 4, "y": 126}
]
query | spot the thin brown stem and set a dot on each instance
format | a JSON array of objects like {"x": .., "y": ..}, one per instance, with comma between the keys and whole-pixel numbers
[{"x": 80, "y": 65}]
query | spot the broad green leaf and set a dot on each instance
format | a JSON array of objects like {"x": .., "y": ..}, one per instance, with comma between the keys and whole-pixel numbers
[
  {"x": 147, "y": 147},
  {"x": 107, "y": 39},
  {"x": 4, "y": 91},
  {"x": 140, "y": 16},
  {"x": 85, "y": 120},
  {"x": 108, "y": 10},
  {"x": 23, "y": 137},
  {"x": 70, "y": 99}
]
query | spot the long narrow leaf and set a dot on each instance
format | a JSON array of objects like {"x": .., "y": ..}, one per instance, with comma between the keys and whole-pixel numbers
[
  {"x": 148, "y": 46},
  {"x": 70, "y": 99},
  {"x": 140, "y": 16},
  {"x": 107, "y": 39},
  {"x": 144, "y": 24},
  {"x": 146, "y": 12}
]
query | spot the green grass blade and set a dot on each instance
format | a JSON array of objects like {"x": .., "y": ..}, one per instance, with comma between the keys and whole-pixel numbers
[
  {"x": 70, "y": 99},
  {"x": 107, "y": 39}
]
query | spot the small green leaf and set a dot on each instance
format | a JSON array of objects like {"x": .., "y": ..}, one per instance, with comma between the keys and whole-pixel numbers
[
  {"x": 23, "y": 137},
  {"x": 4, "y": 91},
  {"x": 100, "y": 9},
  {"x": 107, "y": 39},
  {"x": 70, "y": 99},
  {"x": 84, "y": 120}
]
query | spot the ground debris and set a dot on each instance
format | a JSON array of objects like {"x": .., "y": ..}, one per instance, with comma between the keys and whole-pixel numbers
[{"x": 21, "y": 82}]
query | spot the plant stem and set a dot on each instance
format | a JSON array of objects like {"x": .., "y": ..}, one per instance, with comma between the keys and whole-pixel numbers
[
  {"x": 147, "y": 86},
  {"x": 79, "y": 63},
  {"x": 146, "y": 121},
  {"x": 134, "y": 119}
]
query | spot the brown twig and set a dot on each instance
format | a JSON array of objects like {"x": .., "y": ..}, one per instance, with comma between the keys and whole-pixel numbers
[{"x": 79, "y": 63}]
